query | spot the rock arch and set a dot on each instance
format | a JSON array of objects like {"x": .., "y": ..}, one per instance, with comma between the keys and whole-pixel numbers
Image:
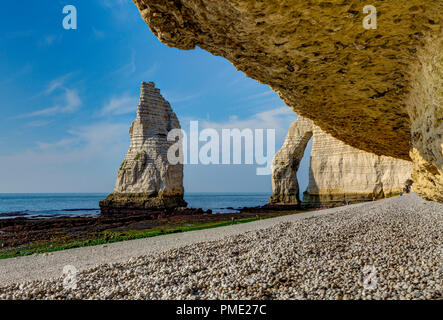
[
  {"x": 287, "y": 160},
  {"x": 337, "y": 171}
]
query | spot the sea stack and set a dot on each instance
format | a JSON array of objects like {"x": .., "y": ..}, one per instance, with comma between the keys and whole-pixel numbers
[
  {"x": 146, "y": 181},
  {"x": 338, "y": 172}
]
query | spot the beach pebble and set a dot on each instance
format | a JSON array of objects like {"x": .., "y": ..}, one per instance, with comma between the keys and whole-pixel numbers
[{"x": 384, "y": 250}]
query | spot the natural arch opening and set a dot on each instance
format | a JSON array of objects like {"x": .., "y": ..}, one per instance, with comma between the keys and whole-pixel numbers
[{"x": 337, "y": 172}]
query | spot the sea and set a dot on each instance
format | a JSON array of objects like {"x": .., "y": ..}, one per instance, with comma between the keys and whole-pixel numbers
[{"x": 47, "y": 205}]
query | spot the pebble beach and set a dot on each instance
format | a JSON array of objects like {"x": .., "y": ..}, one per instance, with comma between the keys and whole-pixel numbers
[{"x": 389, "y": 249}]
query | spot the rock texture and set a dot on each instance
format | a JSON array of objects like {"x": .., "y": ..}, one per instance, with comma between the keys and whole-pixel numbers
[
  {"x": 340, "y": 172},
  {"x": 389, "y": 249},
  {"x": 337, "y": 171},
  {"x": 426, "y": 112},
  {"x": 146, "y": 180},
  {"x": 361, "y": 86},
  {"x": 287, "y": 161}
]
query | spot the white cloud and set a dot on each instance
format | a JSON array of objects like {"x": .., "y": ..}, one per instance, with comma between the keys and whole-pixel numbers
[
  {"x": 18, "y": 34},
  {"x": 23, "y": 71},
  {"x": 131, "y": 68},
  {"x": 120, "y": 105},
  {"x": 58, "y": 144},
  {"x": 261, "y": 95},
  {"x": 128, "y": 68},
  {"x": 43, "y": 112},
  {"x": 121, "y": 10},
  {"x": 57, "y": 83},
  {"x": 279, "y": 118},
  {"x": 98, "y": 33},
  {"x": 150, "y": 71},
  {"x": 73, "y": 101},
  {"x": 48, "y": 40},
  {"x": 184, "y": 98},
  {"x": 71, "y": 104},
  {"x": 54, "y": 85},
  {"x": 234, "y": 82},
  {"x": 87, "y": 140},
  {"x": 84, "y": 161},
  {"x": 86, "y": 158},
  {"x": 113, "y": 3},
  {"x": 99, "y": 137},
  {"x": 38, "y": 123}
]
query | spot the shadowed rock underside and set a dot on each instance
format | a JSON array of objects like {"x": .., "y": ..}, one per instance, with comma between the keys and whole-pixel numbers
[{"x": 360, "y": 86}]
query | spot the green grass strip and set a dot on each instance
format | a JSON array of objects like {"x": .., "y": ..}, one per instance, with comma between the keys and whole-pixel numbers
[{"x": 111, "y": 237}]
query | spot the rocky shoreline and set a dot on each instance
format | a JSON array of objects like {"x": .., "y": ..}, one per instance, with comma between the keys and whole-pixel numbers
[
  {"x": 22, "y": 232},
  {"x": 19, "y": 229},
  {"x": 388, "y": 249}
]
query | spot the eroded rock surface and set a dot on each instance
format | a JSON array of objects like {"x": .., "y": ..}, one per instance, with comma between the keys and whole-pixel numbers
[
  {"x": 426, "y": 112},
  {"x": 146, "y": 180},
  {"x": 285, "y": 189},
  {"x": 361, "y": 86},
  {"x": 337, "y": 171}
]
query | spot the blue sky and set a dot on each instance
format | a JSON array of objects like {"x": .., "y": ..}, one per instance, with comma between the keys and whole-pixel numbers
[{"x": 69, "y": 96}]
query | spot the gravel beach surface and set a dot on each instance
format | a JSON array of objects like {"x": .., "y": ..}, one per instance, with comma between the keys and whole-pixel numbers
[{"x": 388, "y": 249}]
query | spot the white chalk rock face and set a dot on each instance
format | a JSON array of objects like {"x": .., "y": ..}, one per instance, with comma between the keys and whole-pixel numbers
[
  {"x": 337, "y": 172},
  {"x": 146, "y": 179},
  {"x": 340, "y": 172},
  {"x": 287, "y": 161}
]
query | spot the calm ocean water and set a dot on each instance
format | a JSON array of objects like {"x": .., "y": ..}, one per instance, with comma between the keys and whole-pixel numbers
[{"x": 76, "y": 204}]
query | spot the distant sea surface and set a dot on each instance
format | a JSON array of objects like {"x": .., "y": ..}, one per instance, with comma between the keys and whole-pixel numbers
[{"x": 45, "y": 205}]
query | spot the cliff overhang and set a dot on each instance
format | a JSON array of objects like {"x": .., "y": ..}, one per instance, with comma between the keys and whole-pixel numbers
[{"x": 376, "y": 90}]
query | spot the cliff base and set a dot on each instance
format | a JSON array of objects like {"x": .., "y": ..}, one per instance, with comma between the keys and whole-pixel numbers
[{"x": 139, "y": 203}]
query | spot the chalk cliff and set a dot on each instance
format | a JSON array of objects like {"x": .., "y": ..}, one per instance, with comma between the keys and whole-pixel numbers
[
  {"x": 146, "y": 180},
  {"x": 337, "y": 171},
  {"x": 376, "y": 90},
  {"x": 285, "y": 189}
]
